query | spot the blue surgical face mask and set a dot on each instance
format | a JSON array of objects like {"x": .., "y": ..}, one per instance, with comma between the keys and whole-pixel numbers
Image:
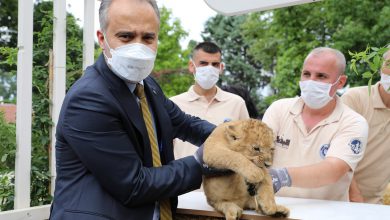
[
  {"x": 316, "y": 94},
  {"x": 131, "y": 62}
]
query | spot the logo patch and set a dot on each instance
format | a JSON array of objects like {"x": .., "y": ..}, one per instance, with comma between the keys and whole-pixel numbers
[
  {"x": 323, "y": 150},
  {"x": 356, "y": 146},
  {"x": 282, "y": 142},
  {"x": 227, "y": 120}
]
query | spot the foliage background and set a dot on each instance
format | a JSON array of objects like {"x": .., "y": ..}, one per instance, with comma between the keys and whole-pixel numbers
[
  {"x": 262, "y": 51},
  {"x": 41, "y": 123},
  {"x": 271, "y": 45}
]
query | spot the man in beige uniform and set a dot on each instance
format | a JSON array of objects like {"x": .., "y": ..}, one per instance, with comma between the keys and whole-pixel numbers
[
  {"x": 319, "y": 140},
  {"x": 204, "y": 99},
  {"x": 373, "y": 173}
]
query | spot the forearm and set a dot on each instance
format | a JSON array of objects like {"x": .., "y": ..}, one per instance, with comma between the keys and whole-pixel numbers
[{"x": 324, "y": 173}]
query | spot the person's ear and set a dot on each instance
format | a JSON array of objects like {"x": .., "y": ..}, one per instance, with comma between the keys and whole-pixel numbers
[
  {"x": 342, "y": 81},
  {"x": 222, "y": 67},
  {"x": 100, "y": 37},
  {"x": 191, "y": 66}
]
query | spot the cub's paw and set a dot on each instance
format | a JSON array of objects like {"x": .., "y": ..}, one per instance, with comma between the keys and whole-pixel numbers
[
  {"x": 255, "y": 175},
  {"x": 281, "y": 212},
  {"x": 233, "y": 214}
]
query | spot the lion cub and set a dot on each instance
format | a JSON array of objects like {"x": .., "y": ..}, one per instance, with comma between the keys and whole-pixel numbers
[{"x": 245, "y": 147}]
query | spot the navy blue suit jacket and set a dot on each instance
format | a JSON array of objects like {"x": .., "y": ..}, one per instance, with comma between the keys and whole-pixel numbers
[{"x": 104, "y": 161}]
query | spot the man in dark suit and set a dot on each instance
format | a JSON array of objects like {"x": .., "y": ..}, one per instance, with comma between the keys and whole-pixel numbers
[{"x": 104, "y": 160}]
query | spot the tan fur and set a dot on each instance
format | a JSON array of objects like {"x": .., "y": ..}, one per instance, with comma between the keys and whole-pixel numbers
[{"x": 245, "y": 147}]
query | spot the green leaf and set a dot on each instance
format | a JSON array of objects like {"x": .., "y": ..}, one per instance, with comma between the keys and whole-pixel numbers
[
  {"x": 370, "y": 56},
  {"x": 4, "y": 158},
  {"x": 367, "y": 75}
]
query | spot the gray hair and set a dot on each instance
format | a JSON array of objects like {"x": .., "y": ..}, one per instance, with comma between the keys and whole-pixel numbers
[
  {"x": 341, "y": 63},
  {"x": 105, "y": 4}
]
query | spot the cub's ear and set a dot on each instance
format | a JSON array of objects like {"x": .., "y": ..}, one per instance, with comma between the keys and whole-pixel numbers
[{"x": 232, "y": 133}]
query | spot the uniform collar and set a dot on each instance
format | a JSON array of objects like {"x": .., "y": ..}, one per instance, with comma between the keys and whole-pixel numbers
[
  {"x": 219, "y": 96},
  {"x": 377, "y": 101},
  {"x": 333, "y": 117}
]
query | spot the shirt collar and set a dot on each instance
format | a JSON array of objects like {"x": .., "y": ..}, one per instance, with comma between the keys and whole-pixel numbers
[
  {"x": 377, "y": 101},
  {"x": 334, "y": 116},
  {"x": 219, "y": 96},
  {"x": 132, "y": 85}
]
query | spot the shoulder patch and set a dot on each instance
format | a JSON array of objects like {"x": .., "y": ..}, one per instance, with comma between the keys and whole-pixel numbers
[
  {"x": 323, "y": 150},
  {"x": 356, "y": 146}
]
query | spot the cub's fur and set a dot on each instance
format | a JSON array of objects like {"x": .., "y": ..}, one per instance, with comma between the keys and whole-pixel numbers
[{"x": 245, "y": 147}]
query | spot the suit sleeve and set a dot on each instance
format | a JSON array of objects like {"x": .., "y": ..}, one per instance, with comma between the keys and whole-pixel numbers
[
  {"x": 92, "y": 127},
  {"x": 186, "y": 127}
]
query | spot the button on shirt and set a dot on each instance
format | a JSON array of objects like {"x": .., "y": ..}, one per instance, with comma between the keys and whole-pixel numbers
[{"x": 343, "y": 135}]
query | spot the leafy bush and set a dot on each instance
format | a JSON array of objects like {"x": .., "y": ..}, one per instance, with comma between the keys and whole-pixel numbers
[
  {"x": 7, "y": 163},
  {"x": 6, "y": 190}
]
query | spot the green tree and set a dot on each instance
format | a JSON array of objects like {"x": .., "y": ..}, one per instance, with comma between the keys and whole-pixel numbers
[
  {"x": 8, "y": 22},
  {"x": 41, "y": 124},
  {"x": 241, "y": 67},
  {"x": 171, "y": 62},
  {"x": 8, "y": 37},
  {"x": 282, "y": 38}
]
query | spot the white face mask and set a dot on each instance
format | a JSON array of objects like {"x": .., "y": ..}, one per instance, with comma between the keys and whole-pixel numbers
[
  {"x": 316, "y": 94},
  {"x": 132, "y": 62},
  {"x": 206, "y": 76},
  {"x": 385, "y": 82}
]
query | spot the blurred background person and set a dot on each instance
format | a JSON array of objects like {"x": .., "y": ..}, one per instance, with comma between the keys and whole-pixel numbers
[
  {"x": 204, "y": 98},
  {"x": 372, "y": 174}
]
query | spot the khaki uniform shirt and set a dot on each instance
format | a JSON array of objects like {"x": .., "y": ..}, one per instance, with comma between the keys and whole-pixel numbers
[
  {"x": 224, "y": 106},
  {"x": 343, "y": 135},
  {"x": 373, "y": 172}
]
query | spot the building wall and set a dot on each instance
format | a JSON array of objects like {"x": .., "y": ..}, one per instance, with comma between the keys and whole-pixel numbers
[{"x": 9, "y": 112}]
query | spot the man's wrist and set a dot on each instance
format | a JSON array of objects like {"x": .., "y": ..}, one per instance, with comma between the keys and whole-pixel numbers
[
  {"x": 285, "y": 177},
  {"x": 280, "y": 178}
]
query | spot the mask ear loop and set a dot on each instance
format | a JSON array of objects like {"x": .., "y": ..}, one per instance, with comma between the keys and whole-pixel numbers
[
  {"x": 105, "y": 40},
  {"x": 193, "y": 63},
  {"x": 333, "y": 84}
]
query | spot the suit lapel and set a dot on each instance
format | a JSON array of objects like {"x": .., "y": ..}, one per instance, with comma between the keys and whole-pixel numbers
[{"x": 129, "y": 105}]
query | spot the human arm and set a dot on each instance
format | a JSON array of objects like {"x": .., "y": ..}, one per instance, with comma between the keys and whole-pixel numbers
[
  {"x": 326, "y": 172},
  {"x": 354, "y": 192},
  {"x": 105, "y": 143}
]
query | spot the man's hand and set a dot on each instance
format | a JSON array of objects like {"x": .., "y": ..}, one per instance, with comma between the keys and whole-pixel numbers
[
  {"x": 206, "y": 170},
  {"x": 280, "y": 178},
  {"x": 354, "y": 192}
]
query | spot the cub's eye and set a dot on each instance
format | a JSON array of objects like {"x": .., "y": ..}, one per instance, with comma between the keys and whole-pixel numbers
[{"x": 256, "y": 148}]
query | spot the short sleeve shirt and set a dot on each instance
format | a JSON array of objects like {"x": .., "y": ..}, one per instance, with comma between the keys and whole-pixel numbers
[
  {"x": 224, "y": 106},
  {"x": 372, "y": 173},
  {"x": 343, "y": 134}
]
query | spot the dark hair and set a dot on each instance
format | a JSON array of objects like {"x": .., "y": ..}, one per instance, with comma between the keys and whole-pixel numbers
[
  {"x": 244, "y": 94},
  {"x": 208, "y": 47}
]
